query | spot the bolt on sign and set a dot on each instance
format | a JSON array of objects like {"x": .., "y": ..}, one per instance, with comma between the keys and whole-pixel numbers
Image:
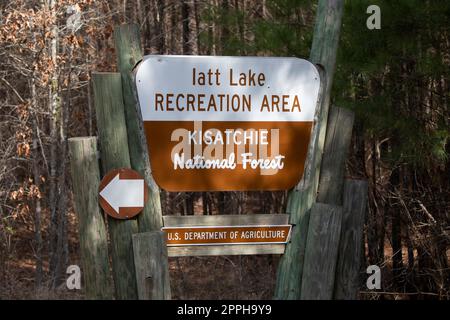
[{"x": 227, "y": 123}]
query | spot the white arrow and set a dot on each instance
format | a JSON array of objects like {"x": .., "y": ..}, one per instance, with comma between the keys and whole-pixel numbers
[{"x": 124, "y": 193}]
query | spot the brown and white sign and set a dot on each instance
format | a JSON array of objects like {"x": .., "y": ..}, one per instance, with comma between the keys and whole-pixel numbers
[
  {"x": 122, "y": 193},
  {"x": 215, "y": 235},
  {"x": 231, "y": 234},
  {"x": 227, "y": 123}
]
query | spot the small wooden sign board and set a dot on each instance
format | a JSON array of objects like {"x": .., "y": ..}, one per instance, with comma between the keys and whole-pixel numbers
[{"x": 226, "y": 234}]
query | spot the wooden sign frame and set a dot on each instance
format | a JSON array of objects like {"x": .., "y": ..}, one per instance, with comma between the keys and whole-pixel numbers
[{"x": 309, "y": 261}]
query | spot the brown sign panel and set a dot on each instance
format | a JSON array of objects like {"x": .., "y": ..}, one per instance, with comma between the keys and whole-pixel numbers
[
  {"x": 227, "y": 123},
  {"x": 244, "y": 173},
  {"x": 227, "y": 235},
  {"x": 122, "y": 193}
]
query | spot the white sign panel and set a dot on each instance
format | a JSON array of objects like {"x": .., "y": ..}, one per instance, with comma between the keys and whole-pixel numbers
[{"x": 204, "y": 88}]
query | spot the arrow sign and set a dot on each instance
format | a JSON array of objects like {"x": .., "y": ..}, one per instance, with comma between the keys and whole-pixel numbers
[{"x": 122, "y": 193}]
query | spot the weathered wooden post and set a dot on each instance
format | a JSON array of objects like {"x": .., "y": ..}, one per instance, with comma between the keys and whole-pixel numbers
[
  {"x": 92, "y": 229},
  {"x": 150, "y": 252},
  {"x": 323, "y": 52},
  {"x": 152, "y": 268},
  {"x": 129, "y": 53},
  {"x": 322, "y": 245},
  {"x": 115, "y": 154},
  {"x": 337, "y": 143},
  {"x": 321, "y": 252},
  {"x": 350, "y": 248}
]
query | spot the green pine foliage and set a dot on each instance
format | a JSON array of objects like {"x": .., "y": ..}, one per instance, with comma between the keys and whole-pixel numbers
[
  {"x": 287, "y": 32},
  {"x": 284, "y": 31},
  {"x": 389, "y": 77}
]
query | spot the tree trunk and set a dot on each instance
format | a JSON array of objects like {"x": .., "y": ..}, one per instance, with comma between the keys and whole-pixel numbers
[
  {"x": 37, "y": 200},
  {"x": 55, "y": 113},
  {"x": 225, "y": 31},
  {"x": 186, "y": 30}
]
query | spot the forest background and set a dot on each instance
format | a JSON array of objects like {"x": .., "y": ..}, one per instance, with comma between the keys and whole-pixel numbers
[{"x": 395, "y": 79}]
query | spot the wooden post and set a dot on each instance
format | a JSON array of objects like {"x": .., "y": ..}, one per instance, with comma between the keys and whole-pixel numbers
[
  {"x": 115, "y": 154},
  {"x": 129, "y": 53},
  {"x": 350, "y": 245},
  {"x": 92, "y": 230},
  {"x": 321, "y": 252},
  {"x": 337, "y": 143},
  {"x": 323, "y": 52},
  {"x": 152, "y": 268},
  {"x": 291, "y": 264}
]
